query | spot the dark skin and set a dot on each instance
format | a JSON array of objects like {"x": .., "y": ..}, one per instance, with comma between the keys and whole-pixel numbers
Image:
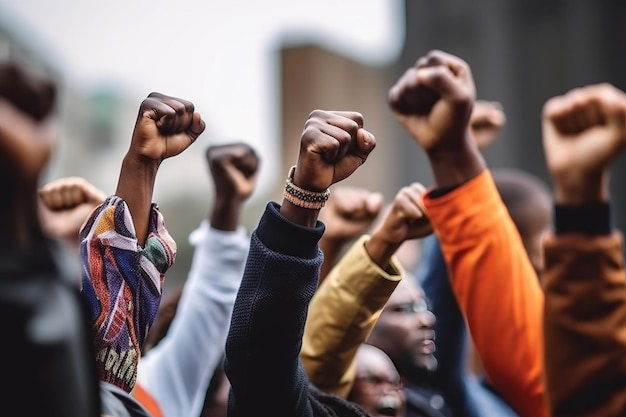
[
  {"x": 433, "y": 100},
  {"x": 404, "y": 221},
  {"x": 165, "y": 127},
  {"x": 26, "y": 141},
  {"x": 234, "y": 169},
  {"x": 332, "y": 146}
]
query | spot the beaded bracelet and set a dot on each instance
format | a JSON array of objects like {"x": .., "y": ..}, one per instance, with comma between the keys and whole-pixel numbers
[{"x": 301, "y": 197}]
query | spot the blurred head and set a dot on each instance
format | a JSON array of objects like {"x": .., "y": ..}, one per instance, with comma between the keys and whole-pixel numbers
[
  {"x": 529, "y": 203},
  {"x": 377, "y": 384},
  {"x": 405, "y": 330}
]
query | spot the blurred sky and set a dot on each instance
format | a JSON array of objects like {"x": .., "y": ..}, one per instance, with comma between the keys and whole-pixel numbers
[{"x": 219, "y": 54}]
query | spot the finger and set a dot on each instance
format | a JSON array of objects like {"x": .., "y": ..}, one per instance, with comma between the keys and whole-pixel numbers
[
  {"x": 153, "y": 110},
  {"x": 351, "y": 115},
  {"x": 611, "y": 101},
  {"x": 183, "y": 116},
  {"x": 55, "y": 199},
  {"x": 71, "y": 196},
  {"x": 374, "y": 203},
  {"x": 441, "y": 80},
  {"x": 456, "y": 65},
  {"x": 365, "y": 142},
  {"x": 197, "y": 126}
]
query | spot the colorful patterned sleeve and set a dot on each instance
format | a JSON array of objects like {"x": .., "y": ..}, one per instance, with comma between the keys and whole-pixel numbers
[{"x": 122, "y": 284}]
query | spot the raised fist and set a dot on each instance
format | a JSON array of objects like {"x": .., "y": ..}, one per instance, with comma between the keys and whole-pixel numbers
[
  {"x": 433, "y": 100},
  {"x": 583, "y": 132}
]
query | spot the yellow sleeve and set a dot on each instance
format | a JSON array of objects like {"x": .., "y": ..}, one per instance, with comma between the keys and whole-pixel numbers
[
  {"x": 496, "y": 287},
  {"x": 341, "y": 316}
]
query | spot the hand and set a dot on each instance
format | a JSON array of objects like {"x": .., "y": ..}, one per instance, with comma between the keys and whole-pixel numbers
[
  {"x": 65, "y": 204},
  {"x": 333, "y": 145},
  {"x": 233, "y": 168},
  {"x": 26, "y": 131},
  {"x": 433, "y": 100},
  {"x": 405, "y": 220},
  {"x": 165, "y": 127},
  {"x": 349, "y": 212},
  {"x": 486, "y": 122},
  {"x": 583, "y": 132}
]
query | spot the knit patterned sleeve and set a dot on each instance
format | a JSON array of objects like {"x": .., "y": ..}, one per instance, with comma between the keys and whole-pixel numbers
[{"x": 122, "y": 283}]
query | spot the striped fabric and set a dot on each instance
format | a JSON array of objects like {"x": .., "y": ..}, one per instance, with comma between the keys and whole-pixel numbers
[{"x": 122, "y": 283}]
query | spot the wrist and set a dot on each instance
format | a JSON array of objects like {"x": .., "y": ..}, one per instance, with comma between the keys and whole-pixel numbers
[
  {"x": 456, "y": 165},
  {"x": 381, "y": 249},
  {"x": 586, "y": 189},
  {"x": 225, "y": 215}
]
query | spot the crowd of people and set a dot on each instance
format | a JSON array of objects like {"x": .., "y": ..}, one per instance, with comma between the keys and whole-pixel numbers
[{"x": 515, "y": 304}]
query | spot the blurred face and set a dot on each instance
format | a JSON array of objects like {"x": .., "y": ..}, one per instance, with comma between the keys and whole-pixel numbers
[
  {"x": 405, "y": 329},
  {"x": 377, "y": 385}
]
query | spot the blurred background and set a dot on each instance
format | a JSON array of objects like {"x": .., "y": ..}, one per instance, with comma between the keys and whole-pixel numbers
[{"x": 255, "y": 70}]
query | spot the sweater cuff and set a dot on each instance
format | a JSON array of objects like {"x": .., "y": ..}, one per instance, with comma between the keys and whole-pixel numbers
[
  {"x": 593, "y": 219},
  {"x": 283, "y": 236}
]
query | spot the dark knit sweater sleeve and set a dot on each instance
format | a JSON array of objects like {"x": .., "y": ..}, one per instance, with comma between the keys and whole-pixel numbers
[{"x": 265, "y": 336}]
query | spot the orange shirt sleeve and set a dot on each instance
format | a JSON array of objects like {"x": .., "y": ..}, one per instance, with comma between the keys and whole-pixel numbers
[{"x": 496, "y": 287}]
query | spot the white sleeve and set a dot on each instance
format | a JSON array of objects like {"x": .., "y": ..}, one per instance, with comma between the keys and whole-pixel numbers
[{"x": 177, "y": 371}]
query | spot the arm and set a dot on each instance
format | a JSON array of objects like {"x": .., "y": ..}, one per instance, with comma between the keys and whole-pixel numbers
[
  {"x": 493, "y": 280},
  {"x": 348, "y": 304},
  {"x": 585, "y": 308},
  {"x": 177, "y": 371},
  {"x": 281, "y": 274},
  {"x": 123, "y": 271}
]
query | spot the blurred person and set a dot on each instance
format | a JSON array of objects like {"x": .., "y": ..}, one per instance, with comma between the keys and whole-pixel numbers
[
  {"x": 528, "y": 202},
  {"x": 492, "y": 277},
  {"x": 47, "y": 339},
  {"x": 174, "y": 375},
  {"x": 529, "y": 205},
  {"x": 281, "y": 275},
  {"x": 377, "y": 385},
  {"x": 348, "y": 303},
  {"x": 584, "y": 131},
  {"x": 348, "y": 213},
  {"x": 125, "y": 249}
]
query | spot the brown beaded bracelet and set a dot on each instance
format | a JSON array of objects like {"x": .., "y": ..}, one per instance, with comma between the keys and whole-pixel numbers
[{"x": 301, "y": 197}]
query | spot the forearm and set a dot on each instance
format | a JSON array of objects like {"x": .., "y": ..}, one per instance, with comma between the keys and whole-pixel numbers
[
  {"x": 226, "y": 215},
  {"x": 135, "y": 186},
  {"x": 452, "y": 167},
  {"x": 342, "y": 314}
]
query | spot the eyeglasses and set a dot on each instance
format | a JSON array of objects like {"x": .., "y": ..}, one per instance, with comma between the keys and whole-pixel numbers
[
  {"x": 375, "y": 383},
  {"x": 414, "y": 306}
]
